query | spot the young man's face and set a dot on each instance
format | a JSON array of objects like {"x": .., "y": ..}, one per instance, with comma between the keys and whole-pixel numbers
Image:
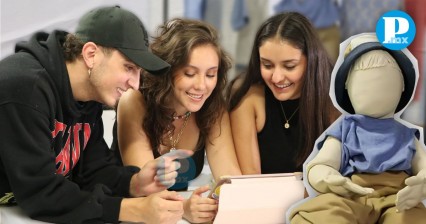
[{"x": 112, "y": 75}]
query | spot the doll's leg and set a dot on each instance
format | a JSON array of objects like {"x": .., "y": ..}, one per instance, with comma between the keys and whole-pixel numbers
[
  {"x": 416, "y": 215},
  {"x": 331, "y": 208},
  {"x": 394, "y": 182}
]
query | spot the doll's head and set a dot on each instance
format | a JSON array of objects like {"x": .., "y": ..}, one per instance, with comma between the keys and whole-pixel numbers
[
  {"x": 375, "y": 84},
  {"x": 373, "y": 80}
]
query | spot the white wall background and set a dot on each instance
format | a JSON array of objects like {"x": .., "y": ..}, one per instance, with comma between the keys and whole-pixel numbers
[{"x": 20, "y": 18}]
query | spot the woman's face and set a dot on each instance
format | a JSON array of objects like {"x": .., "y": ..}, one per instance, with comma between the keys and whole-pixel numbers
[
  {"x": 282, "y": 67},
  {"x": 195, "y": 82}
]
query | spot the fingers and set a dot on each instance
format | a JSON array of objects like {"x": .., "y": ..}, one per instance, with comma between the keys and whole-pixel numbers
[
  {"x": 202, "y": 210},
  {"x": 408, "y": 197},
  {"x": 355, "y": 188},
  {"x": 414, "y": 180},
  {"x": 207, "y": 204},
  {"x": 164, "y": 169},
  {"x": 199, "y": 191},
  {"x": 166, "y": 174},
  {"x": 162, "y": 163},
  {"x": 205, "y": 216},
  {"x": 168, "y": 179},
  {"x": 345, "y": 187},
  {"x": 171, "y": 201},
  {"x": 178, "y": 154},
  {"x": 170, "y": 195},
  {"x": 166, "y": 166}
]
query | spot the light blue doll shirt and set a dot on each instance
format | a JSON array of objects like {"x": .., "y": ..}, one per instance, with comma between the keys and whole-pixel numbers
[{"x": 371, "y": 145}]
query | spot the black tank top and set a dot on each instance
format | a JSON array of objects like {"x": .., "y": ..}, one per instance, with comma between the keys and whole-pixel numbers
[
  {"x": 278, "y": 146},
  {"x": 190, "y": 167}
]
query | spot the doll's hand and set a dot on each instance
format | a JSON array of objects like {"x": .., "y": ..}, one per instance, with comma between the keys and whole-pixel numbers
[
  {"x": 413, "y": 193},
  {"x": 343, "y": 186},
  {"x": 326, "y": 179}
]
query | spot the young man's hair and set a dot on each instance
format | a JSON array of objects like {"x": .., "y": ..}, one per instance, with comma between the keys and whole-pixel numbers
[{"x": 73, "y": 46}]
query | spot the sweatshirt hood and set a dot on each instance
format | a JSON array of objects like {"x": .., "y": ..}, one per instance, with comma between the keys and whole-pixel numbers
[{"x": 47, "y": 49}]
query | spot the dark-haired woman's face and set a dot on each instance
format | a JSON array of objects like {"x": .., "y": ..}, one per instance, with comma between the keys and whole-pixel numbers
[{"x": 282, "y": 67}]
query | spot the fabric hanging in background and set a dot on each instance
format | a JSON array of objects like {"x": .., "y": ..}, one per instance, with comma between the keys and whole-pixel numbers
[
  {"x": 194, "y": 9},
  {"x": 322, "y": 13},
  {"x": 257, "y": 13},
  {"x": 360, "y": 16},
  {"x": 239, "y": 17},
  {"x": 207, "y": 10}
]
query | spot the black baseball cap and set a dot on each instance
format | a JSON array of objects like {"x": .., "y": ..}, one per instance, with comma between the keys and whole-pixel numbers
[{"x": 120, "y": 29}]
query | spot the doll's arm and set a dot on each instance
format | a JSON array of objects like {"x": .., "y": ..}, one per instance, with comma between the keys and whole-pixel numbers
[
  {"x": 323, "y": 174},
  {"x": 415, "y": 191}
]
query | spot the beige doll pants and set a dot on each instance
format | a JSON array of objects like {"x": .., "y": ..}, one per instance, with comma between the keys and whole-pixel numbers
[{"x": 378, "y": 207}]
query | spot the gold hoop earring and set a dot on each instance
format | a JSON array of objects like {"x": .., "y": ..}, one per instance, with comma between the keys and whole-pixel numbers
[{"x": 89, "y": 71}]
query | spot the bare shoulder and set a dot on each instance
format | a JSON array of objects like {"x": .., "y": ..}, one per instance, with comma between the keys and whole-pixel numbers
[
  {"x": 253, "y": 100},
  {"x": 255, "y": 95},
  {"x": 131, "y": 96},
  {"x": 252, "y": 106},
  {"x": 131, "y": 103},
  {"x": 236, "y": 84}
]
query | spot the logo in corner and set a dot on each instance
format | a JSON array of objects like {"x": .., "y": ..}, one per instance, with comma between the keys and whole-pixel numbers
[{"x": 395, "y": 30}]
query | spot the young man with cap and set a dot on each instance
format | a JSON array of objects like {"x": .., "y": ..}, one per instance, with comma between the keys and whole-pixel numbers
[{"x": 54, "y": 162}]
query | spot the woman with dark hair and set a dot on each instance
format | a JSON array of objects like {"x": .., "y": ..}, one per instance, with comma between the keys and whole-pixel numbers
[
  {"x": 182, "y": 109},
  {"x": 280, "y": 106}
]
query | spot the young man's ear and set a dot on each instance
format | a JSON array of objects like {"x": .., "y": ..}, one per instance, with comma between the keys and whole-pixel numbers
[{"x": 88, "y": 52}]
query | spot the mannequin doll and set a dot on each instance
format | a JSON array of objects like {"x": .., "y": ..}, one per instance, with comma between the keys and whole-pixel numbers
[{"x": 369, "y": 166}]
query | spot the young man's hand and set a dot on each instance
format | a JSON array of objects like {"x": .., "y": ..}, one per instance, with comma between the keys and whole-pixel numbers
[
  {"x": 159, "y": 174},
  {"x": 161, "y": 207}
]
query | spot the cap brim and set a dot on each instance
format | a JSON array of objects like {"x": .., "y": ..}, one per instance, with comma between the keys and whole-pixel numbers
[{"x": 146, "y": 60}]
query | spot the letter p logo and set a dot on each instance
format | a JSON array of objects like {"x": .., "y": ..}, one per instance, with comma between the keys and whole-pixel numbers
[
  {"x": 391, "y": 24},
  {"x": 395, "y": 30}
]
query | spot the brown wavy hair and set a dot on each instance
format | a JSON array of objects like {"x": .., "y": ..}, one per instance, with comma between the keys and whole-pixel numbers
[
  {"x": 174, "y": 44},
  {"x": 316, "y": 108}
]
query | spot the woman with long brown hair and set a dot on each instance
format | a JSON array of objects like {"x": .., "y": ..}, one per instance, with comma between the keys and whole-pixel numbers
[{"x": 182, "y": 109}]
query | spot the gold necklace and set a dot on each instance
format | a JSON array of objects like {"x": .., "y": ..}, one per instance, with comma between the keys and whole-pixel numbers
[
  {"x": 173, "y": 142},
  {"x": 286, "y": 124}
]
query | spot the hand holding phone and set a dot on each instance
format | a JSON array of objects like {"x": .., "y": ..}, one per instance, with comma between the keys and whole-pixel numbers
[{"x": 215, "y": 192}]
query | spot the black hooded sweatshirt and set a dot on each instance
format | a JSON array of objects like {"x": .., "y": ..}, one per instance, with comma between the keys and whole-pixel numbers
[{"x": 54, "y": 162}]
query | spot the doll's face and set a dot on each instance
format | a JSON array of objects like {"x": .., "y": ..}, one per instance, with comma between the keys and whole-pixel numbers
[{"x": 375, "y": 92}]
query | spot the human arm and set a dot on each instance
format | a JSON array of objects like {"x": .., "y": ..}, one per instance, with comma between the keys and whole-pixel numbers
[
  {"x": 134, "y": 144},
  {"x": 323, "y": 172},
  {"x": 223, "y": 161},
  {"x": 161, "y": 207},
  {"x": 244, "y": 120},
  {"x": 415, "y": 191},
  {"x": 220, "y": 149}
]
